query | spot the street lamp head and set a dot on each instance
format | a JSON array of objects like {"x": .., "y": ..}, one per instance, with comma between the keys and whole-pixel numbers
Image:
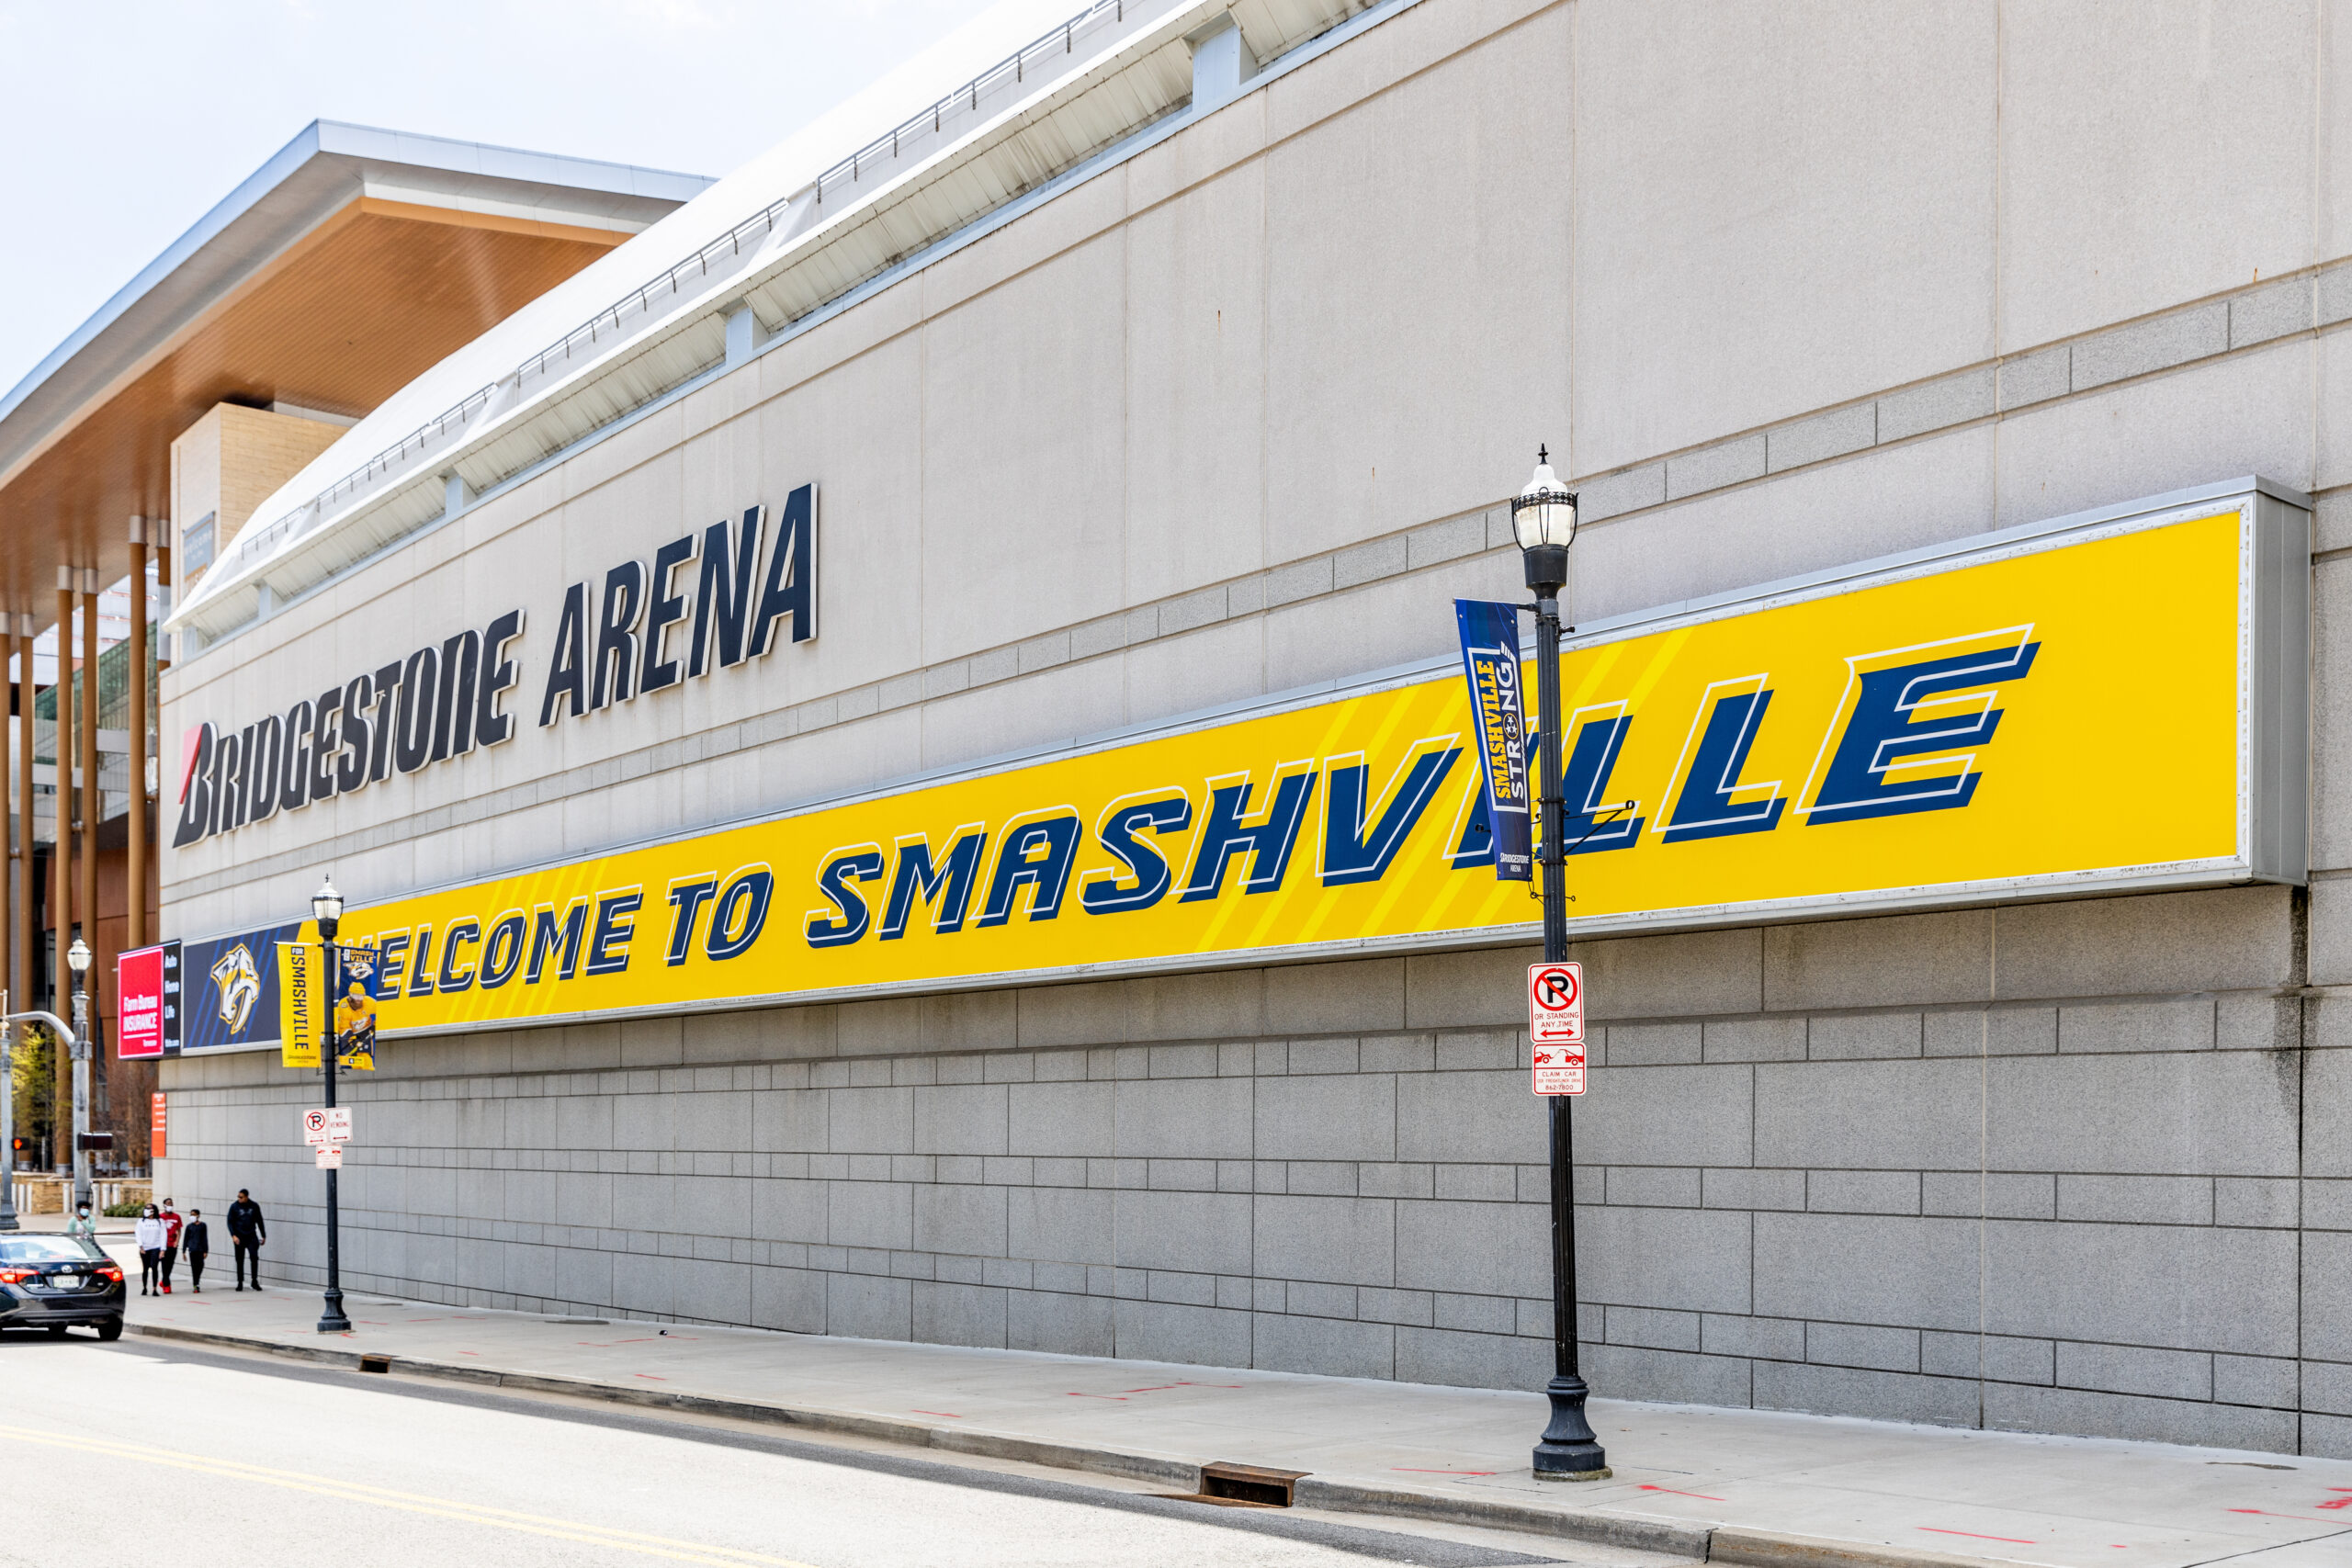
[
  {"x": 1543, "y": 516},
  {"x": 326, "y": 908},
  {"x": 77, "y": 957}
]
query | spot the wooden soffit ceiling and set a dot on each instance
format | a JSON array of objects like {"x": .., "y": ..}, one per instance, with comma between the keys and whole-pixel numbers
[{"x": 366, "y": 302}]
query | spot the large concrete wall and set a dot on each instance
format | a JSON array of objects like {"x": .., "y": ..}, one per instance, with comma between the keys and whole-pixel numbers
[
  {"x": 2062, "y": 1168},
  {"x": 1791, "y": 288}
]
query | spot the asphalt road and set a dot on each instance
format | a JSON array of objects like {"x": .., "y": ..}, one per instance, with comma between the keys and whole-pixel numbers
[{"x": 159, "y": 1455}]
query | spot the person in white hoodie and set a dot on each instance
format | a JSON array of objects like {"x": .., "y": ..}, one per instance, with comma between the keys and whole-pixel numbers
[{"x": 150, "y": 1237}]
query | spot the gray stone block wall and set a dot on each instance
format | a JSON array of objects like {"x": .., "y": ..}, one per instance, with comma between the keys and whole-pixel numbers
[{"x": 1976, "y": 1168}]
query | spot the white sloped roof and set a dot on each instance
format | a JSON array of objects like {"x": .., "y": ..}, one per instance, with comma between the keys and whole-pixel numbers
[
  {"x": 775, "y": 174},
  {"x": 1004, "y": 107}
]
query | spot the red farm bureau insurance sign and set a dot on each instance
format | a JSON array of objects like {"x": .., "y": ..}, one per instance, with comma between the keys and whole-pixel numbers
[
  {"x": 1556, "y": 1026},
  {"x": 139, "y": 977}
]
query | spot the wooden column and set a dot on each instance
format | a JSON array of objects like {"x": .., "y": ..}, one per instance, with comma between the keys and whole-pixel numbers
[
  {"x": 137, "y": 878},
  {"x": 60, "y": 863},
  {"x": 91, "y": 799},
  {"x": 28, "y": 932},
  {"x": 8, "y": 854}
]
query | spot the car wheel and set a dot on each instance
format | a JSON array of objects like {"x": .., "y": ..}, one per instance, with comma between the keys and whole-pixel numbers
[
  {"x": 110, "y": 1330},
  {"x": 56, "y": 1330}
]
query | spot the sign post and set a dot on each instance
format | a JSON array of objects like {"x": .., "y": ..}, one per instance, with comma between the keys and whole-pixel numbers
[
  {"x": 8, "y": 1119},
  {"x": 332, "y": 1320},
  {"x": 1543, "y": 516},
  {"x": 1556, "y": 1026}
]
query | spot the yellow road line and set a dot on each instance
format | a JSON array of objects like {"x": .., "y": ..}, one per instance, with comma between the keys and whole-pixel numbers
[{"x": 411, "y": 1502}]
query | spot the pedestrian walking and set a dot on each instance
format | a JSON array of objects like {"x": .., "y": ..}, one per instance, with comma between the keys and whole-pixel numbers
[
  {"x": 172, "y": 1223},
  {"x": 196, "y": 1242},
  {"x": 81, "y": 1224},
  {"x": 246, "y": 1234},
  {"x": 149, "y": 1237}
]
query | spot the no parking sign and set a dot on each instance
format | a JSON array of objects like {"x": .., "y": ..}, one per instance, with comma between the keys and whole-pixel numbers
[{"x": 1556, "y": 1026}]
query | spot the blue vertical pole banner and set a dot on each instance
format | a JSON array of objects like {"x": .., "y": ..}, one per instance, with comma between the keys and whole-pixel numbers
[{"x": 1490, "y": 664}]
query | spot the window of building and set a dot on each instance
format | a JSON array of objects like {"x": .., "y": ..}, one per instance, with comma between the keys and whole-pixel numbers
[{"x": 196, "y": 546}]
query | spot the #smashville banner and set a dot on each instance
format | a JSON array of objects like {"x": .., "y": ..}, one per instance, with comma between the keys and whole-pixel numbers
[{"x": 2117, "y": 704}]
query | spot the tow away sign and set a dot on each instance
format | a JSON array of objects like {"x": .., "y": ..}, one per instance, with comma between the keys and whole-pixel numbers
[{"x": 1556, "y": 1026}]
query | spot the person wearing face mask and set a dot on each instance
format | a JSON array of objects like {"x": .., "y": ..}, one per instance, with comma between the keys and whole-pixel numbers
[
  {"x": 196, "y": 1242},
  {"x": 172, "y": 1223},
  {"x": 81, "y": 1224},
  {"x": 149, "y": 1236}
]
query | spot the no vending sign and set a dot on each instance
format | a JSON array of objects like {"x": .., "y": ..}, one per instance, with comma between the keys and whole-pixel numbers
[{"x": 1556, "y": 1026}]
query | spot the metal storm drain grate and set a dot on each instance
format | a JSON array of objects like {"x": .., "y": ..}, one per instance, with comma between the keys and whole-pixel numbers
[
  {"x": 375, "y": 1363},
  {"x": 1247, "y": 1486}
]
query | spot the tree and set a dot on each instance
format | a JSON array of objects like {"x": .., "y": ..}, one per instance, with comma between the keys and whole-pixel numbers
[{"x": 36, "y": 1088}]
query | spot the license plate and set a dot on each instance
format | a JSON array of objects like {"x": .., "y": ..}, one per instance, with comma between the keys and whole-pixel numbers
[{"x": 66, "y": 1281}]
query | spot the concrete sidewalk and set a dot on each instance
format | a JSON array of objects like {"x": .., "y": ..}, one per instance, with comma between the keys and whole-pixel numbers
[{"x": 1729, "y": 1485}]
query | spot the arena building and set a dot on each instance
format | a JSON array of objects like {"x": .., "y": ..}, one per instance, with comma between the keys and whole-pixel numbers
[
  {"x": 343, "y": 268},
  {"x": 900, "y": 736}
]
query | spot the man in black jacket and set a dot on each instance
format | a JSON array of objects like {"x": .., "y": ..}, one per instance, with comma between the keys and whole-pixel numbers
[{"x": 246, "y": 1234}]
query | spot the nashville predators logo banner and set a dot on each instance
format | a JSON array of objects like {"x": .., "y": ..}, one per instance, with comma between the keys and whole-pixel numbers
[
  {"x": 2117, "y": 704},
  {"x": 354, "y": 1010}
]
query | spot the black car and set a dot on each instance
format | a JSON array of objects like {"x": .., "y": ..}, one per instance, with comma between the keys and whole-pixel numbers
[{"x": 56, "y": 1281}]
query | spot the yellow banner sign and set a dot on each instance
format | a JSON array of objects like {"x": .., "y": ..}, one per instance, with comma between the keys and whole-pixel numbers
[
  {"x": 2060, "y": 713},
  {"x": 301, "y": 988}
]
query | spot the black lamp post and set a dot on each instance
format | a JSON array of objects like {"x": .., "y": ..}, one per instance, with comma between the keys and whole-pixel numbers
[
  {"x": 77, "y": 959},
  {"x": 326, "y": 907},
  {"x": 1543, "y": 516}
]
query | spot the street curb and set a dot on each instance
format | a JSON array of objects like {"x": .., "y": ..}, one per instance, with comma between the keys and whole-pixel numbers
[
  {"x": 982, "y": 1444},
  {"x": 1707, "y": 1543},
  {"x": 1770, "y": 1548},
  {"x": 1637, "y": 1531}
]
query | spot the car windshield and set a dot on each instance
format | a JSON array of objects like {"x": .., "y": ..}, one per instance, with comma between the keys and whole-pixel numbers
[{"x": 45, "y": 1248}]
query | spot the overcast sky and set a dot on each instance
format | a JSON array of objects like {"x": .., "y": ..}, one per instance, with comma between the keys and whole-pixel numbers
[{"x": 124, "y": 122}]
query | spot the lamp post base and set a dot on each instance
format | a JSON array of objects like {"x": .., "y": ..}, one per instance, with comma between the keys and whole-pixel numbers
[
  {"x": 332, "y": 1320},
  {"x": 1568, "y": 1450}
]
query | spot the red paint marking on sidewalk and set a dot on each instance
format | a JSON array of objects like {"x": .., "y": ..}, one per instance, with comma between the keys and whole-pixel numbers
[
  {"x": 2013, "y": 1539},
  {"x": 2303, "y": 1518},
  {"x": 1417, "y": 1470},
  {"x": 1164, "y": 1387},
  {"x": 648, "y": 1375},
  {"x": 949, "y": 1413},
  {"x": 1646, "y": 1486}
]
